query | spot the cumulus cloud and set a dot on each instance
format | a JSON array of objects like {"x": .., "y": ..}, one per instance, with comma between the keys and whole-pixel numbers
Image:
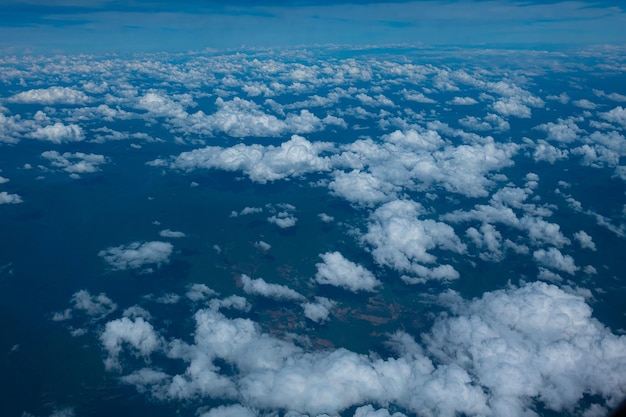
[
  {"x": 512, "y": 107},
  {"x": 135, "y": 333},
  {"x": 463, "y": 101},
  {"x": 340, "y": 272},
  {"x": 261, "y": 245},
  {"x": 261, "y": 287},
  {"x": 494, "y": 355},
  {"x": 617, "y": 116},
  {"x": 585, "y": 240},
  {"x": 138, "y": 255},
  {"x": 513, "y": 338},
  {"x": 97, "y": 306},
  {"x": 283, "y": 219},
  {"x": 199, "y": 292},
  {"x": 326, "y": 218},
  {"x": 399, "y": 239},
  {"x": 51, "y": 95},
  {"x": 6, "y": 198},
  {"x": 292, "y": 158},
  {"x": 565, "y": 130},
  {"x": 361, "y": 188},
  {"x": 319, "y": 310},
  {"x": 75, "y": 163},
  {"x": 59, "y": 133},
  {"x": 171, "y": 233},
  {"x": 553, "y": 258},
  {"x": 243, "y": 118}
]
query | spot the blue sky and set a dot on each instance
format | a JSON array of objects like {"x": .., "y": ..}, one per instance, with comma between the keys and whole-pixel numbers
[{"x": 160, "y": 25}]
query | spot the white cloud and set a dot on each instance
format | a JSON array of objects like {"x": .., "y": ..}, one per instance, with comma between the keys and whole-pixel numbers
[
  {"x": 505, "y": 353},
  {"x": 565, "y": 130},
  {"x": 293, "y": 158},
  {"x": 340, "y": 272},
  {"x": 533, "y": 342},
  {"x": 96, "y": 306},
  {"x": 51, "y": 95},
  {"x": 585, "y": 240},
  {"x": 617, "y": 115},
  {"x": 261, "y": 287},
  {"x": 171, "y": 233},
  {"x": 261, "y": 245},
  {"x": 463, "y": 101},
  {"x": 75, "y": 163},
  {"x": 136, "y": 333},
  {"x": 512, "y": 107},
  {"x": 546, "y": 152},
  {"x": 6, "y": 198},
  {"x": 326, "y": 218},
  {"x": 417, "y": 97},
  {"x": 137, "y": 255},
  {"x": 319, "y": 310},
  {"x": 553, "y": 258},
  {"x": 400, "y": 240},
  {"x": 3, "y": 180},
  {"x": 59, "y": 133},
  {"x": 283, "y": 219},
  {"x": 361, "y": 188},
  {"x": 584, "y": 104},
  {"x": 199, "y": 292}
]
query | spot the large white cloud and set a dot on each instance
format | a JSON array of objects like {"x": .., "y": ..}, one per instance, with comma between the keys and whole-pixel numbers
[
  {"x": 138, "y": 255},
  {"x": 292, "y": 158},
  {"x": 399, "y": 239},
  {"x": 504, "y": 353},
  {"x": 336, "y": 270},
  {"x": 51, "y": 95}
]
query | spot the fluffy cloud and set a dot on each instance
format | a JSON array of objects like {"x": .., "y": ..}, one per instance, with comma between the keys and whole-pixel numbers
[
  {"x": 137, "y": 255},
  {"x": 292, "y": 158},
  {"x": 97, "y": 306},
  {"x": 260, "y": 287},
  {"x": 565, "y": 130},
  {"x": 361, "y": 188},
  {"x": 585, "y": 240},
  {"x": 136, "y": 333},
  {"x": 340, "y": 272},
  {"x": 533, "y": 342},
  {"x": 171, "y": 234},
  {"x": 319, "y": 310},
  {"x": 75, "y": 163},
  {"x": 494, "y": 355},
  {"x": 512, "y": 107},
  {"x": 59, "y": 133},
  {"x": 199, "y": 292},
  {"x": 463, "y": 101},
  {"x": 6, "y": 198},
  {"x": 51, "y": 95},
  {"x": 400, "y": 240},
  {"x": 241, "y": 118},
  {"x": 617, "y": 116},
  {"x": 553, "y": 258}
]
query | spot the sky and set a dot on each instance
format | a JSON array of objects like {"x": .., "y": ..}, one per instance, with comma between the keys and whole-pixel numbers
[{"x": 147, "y": 26}]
